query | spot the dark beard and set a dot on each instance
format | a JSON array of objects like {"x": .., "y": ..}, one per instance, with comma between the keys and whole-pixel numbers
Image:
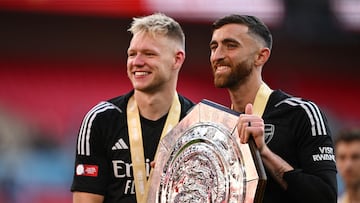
[{"x": 237, "y": 76}]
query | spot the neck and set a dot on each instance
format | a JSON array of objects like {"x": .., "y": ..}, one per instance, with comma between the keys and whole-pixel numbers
[
  {"x": 243, "y": 95},
  {"x": 154, "y": 106}
]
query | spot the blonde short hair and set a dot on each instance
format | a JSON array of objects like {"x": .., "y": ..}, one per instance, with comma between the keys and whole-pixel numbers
[{"x": 159, "y": 24}]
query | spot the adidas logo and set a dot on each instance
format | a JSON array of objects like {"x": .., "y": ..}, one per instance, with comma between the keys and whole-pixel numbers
[{"x": 120, "y": 144}]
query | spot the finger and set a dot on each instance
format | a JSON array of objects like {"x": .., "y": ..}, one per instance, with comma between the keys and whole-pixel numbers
[
  {"x": 245, "y": 132},
  {"x": 254, "y": 124},
  {"x": 241, "y": 130},
  {"x": 249, "y": 109},
  {"x": 152, "y": 164},
  {"x": 251, "y": 129},
  {"x": 242, "y": 125}
]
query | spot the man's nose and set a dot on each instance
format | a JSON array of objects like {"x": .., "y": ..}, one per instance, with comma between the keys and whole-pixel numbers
[
  {"x": 217, "y": 54},
  {"x": 138, "y": 60}
]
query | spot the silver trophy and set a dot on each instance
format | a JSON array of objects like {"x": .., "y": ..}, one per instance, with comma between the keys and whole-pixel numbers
[{"x": 201, "y": 160}]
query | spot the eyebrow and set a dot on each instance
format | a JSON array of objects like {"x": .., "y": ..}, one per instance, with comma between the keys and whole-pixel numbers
[{"x": 226, "y": 40}]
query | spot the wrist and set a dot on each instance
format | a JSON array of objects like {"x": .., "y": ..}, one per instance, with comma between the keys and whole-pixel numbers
[{"x": 264, "y": 151}]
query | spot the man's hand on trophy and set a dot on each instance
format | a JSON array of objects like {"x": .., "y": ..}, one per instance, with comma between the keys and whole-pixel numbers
[{"x": 251, "y": 125}]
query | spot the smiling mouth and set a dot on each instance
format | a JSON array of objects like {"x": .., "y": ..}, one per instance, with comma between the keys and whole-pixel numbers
[
  {"x": 221, "y": 68},
  {"x": 141, "y": 73}
]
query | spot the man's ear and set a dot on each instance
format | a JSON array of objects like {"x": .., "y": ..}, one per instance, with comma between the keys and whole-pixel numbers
[
  {"x": 179, "y": 58},
  {"x": 262, "y": 56}
]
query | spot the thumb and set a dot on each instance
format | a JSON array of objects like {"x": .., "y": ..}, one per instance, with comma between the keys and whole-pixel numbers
[{"x": 249, "y": 109}]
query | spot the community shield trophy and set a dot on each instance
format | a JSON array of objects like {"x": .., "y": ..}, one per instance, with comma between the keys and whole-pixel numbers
[{"x": 201, "y": 160}]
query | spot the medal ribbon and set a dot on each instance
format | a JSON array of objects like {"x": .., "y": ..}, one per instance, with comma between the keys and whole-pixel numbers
[
  {"x": 136, "y": 143},
  {"x": 261, "y": 99}
]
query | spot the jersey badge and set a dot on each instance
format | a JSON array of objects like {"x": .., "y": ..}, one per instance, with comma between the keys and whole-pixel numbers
[
  {"x": 269, "y": 132},
  {"x": 87, "y": 170}
]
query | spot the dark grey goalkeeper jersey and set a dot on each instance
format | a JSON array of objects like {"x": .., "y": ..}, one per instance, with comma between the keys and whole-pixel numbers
[
  {"x": 103, "y": 160},
  {"x": 298, "y": 131}
]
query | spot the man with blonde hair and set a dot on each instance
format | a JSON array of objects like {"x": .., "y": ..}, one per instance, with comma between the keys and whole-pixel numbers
[{"x": 118, "y": 138}]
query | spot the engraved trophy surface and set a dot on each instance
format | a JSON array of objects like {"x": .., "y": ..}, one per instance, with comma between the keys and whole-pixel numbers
[{"x": 201, "y": 160}]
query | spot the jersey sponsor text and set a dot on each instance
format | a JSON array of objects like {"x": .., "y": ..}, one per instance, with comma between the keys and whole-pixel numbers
[
  {"x": 124, "y": 170},
  {"x": 326, "y": 154}
]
